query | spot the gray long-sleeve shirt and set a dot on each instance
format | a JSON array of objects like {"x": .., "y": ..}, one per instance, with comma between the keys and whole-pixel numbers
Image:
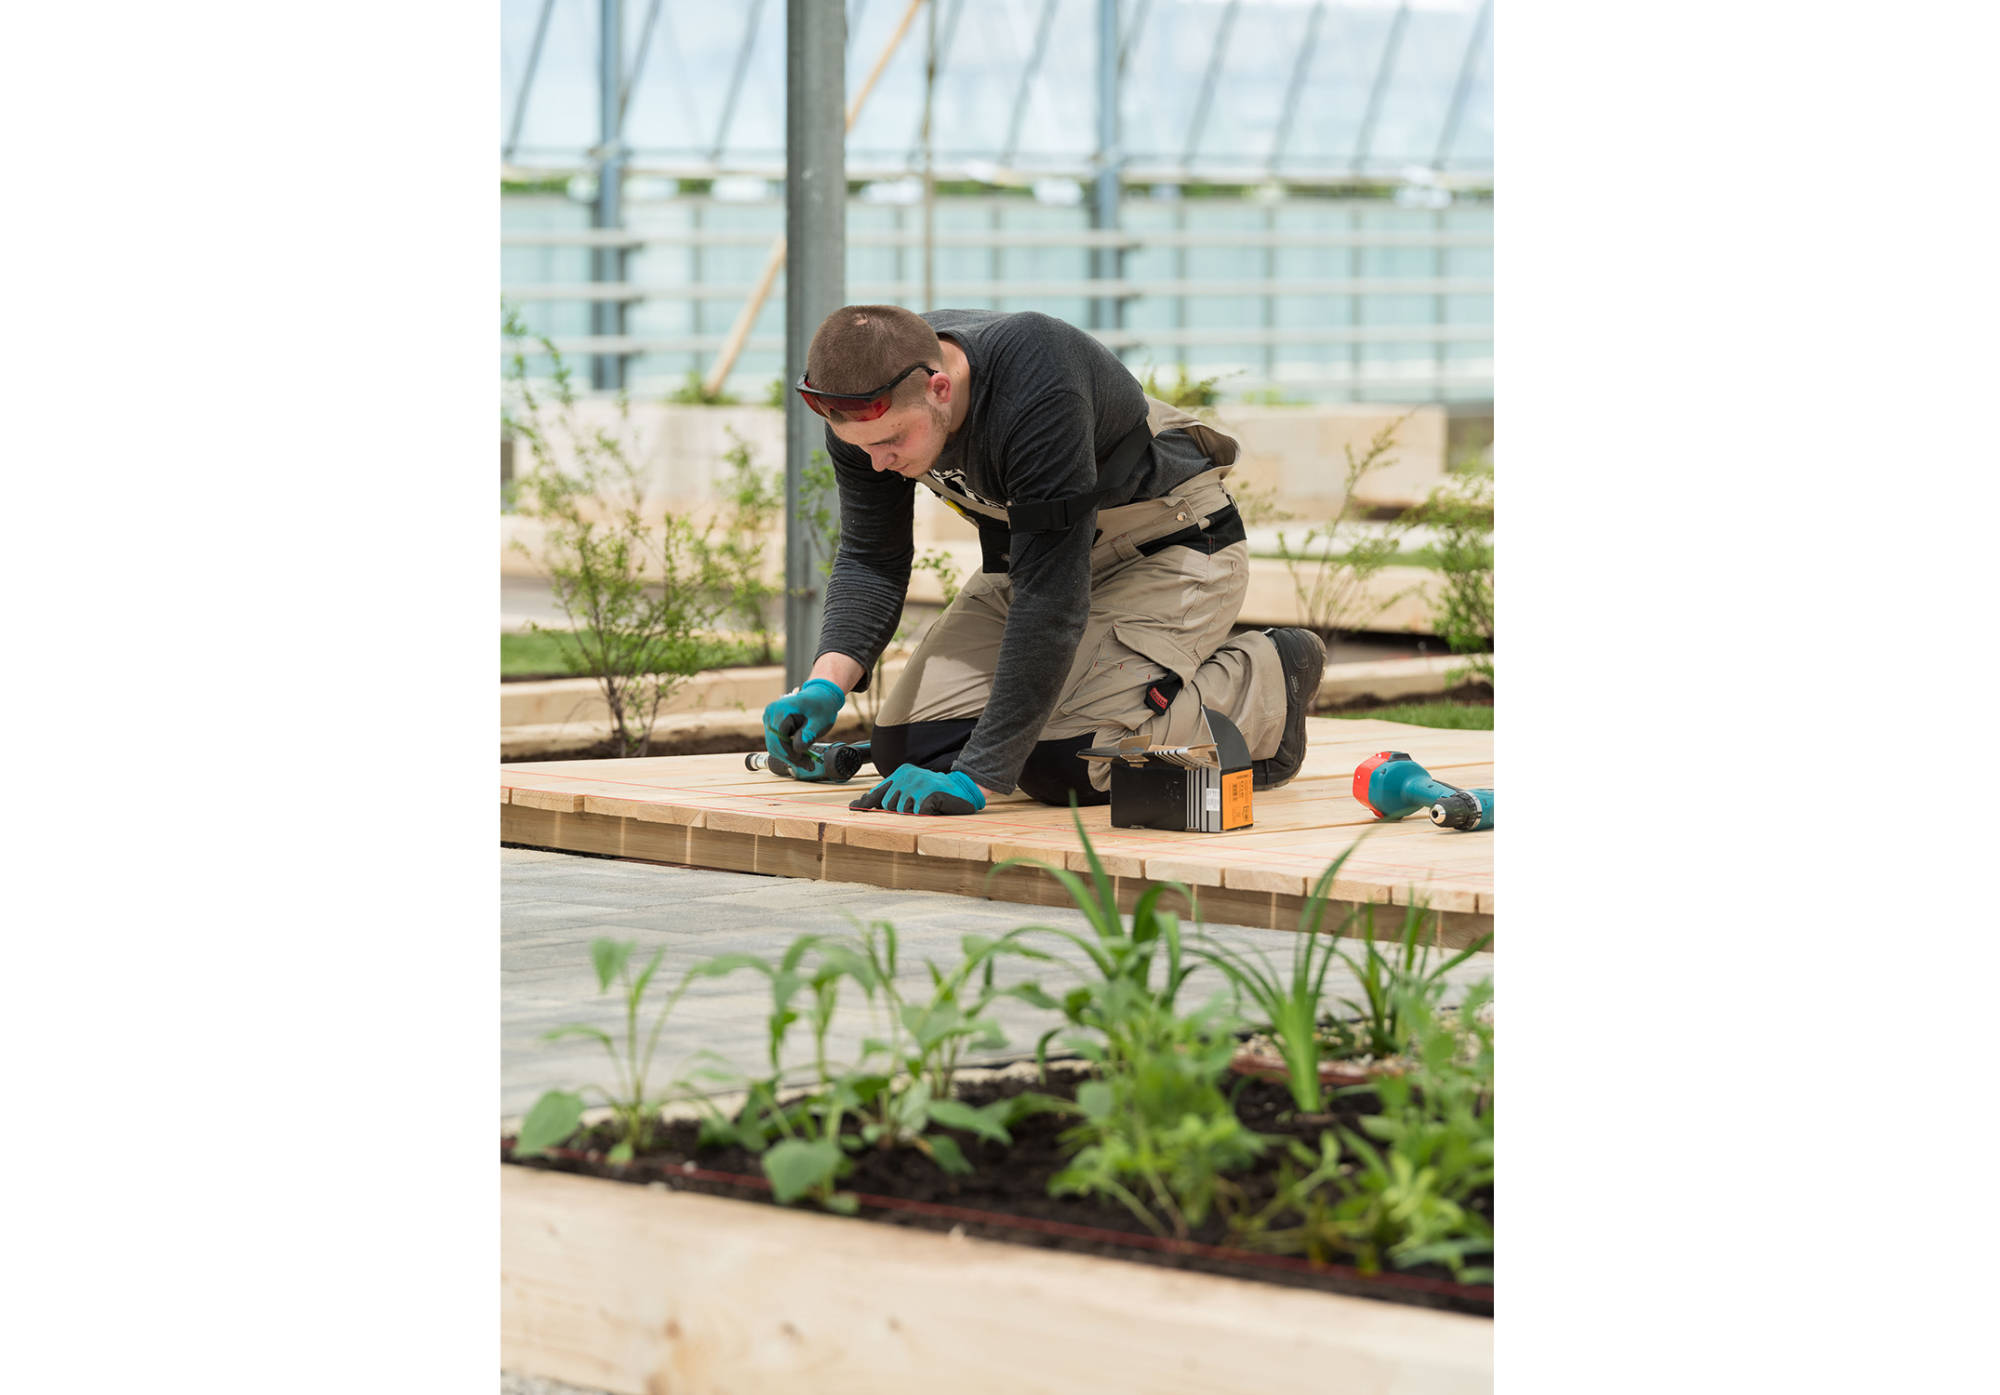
[{"x": 1047, "y": 401}]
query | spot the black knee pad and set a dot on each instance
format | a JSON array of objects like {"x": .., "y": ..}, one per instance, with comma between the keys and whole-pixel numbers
[
  {"x": 931, "y": 745},
  {"x": 1053, "y": 773}
]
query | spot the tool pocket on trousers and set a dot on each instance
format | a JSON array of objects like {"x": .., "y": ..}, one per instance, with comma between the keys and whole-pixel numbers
[{"x": 1134, "y": 661}]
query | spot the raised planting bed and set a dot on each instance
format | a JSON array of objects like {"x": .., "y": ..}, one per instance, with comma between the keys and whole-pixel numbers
[
  {"x": 675, "y": 1272},
  {"x": 1147, "y": 1214}
]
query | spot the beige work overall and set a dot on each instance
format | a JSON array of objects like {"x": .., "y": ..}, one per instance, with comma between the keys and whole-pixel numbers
[{"x": 1170, "y": 612}]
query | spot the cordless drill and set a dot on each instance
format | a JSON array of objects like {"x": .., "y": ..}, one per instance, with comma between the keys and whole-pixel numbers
[
  {"x": 840, "y": 759},
  {"x": 1393, "y": 786}
]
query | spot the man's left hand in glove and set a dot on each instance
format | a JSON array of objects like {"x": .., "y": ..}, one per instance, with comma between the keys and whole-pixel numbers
[{"x": 915, "y": 790}]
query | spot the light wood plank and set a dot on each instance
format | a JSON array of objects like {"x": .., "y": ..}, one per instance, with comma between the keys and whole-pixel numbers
[
  {"x": 642, "y": 1291},
  {"x": 1266, "y": 869}
]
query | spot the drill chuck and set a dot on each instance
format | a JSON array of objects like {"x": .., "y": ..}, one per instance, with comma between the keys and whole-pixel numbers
[{"x": 1464, "y": 810}]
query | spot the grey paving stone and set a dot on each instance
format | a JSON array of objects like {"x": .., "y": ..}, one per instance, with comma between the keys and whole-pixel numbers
[{"x": 554, "y": 904}]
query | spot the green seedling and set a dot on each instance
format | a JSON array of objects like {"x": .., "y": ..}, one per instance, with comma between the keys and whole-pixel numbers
[
  {"x": 1400, "y": 1191},
  {"x": 556, "y": 1115},
  {"x": 1158, "y": 1134},
  {"x": 1117, "y": 954},
  {"x": 1388, "y": 982},
  {"x": 1291, "y": 1004},
  {"x": 926, "y": 1041}
]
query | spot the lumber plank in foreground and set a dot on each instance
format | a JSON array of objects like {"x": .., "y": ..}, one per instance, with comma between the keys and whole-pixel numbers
[{"x": 637, "y": 1290}]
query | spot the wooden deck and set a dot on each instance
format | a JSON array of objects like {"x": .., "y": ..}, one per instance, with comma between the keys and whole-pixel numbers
[{"x": 708, "y": 811}]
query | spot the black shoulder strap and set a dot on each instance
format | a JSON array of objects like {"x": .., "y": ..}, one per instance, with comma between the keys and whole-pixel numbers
[{"x": 1114, "y": 481}]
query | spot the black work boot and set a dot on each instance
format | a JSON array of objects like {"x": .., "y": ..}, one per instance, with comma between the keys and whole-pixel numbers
[{"x": 1304, "y": 658}]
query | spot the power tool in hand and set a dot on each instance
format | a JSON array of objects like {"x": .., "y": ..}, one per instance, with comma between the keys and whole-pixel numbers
[
  {"x": 1393, "y": 787},
  {"x": 840, "y": 759}
]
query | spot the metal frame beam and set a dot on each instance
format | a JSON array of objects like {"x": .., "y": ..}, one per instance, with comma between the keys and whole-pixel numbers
[
  {"x": 736, "y": 79},
  {"x": 1132, "y": 32},
  {"x": 1028, "y": 72},
  {"x": 638, "y": 60},
  {"x": 1297, "y": 83},
  {"x": 1377, "y": 88},
  {"x": 527, "y": 81},
  {"x": 942, "y": 52},
  {"x": 1459, "y": 88},
  {"x": 1217, "y": 51},
  {"x": 607, "y": 371},
  {"x": 1107, "y": 263}
]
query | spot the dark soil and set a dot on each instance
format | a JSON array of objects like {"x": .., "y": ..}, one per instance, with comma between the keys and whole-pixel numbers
[
  {"x": 1465, "y": 695},
  {"x": 1006, "y": 1197}
]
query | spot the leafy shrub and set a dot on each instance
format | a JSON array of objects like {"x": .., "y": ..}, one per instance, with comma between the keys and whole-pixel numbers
[
  {"x": 1334, "y": 564},
  {"x": 755, "y": 500},
  {"x": 1183, "y": 392},
  {"x": 1461, "y": 512},
  {"x": 693, "y": 393},
  {"x": 636, "y": 593}
]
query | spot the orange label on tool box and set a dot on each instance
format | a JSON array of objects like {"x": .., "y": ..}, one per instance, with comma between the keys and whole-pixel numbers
[{"x": 1236, "y": 800}]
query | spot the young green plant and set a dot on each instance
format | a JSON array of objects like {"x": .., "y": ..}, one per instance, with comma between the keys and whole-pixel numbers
[
  {"x": 556, "y": 1115},
  {"x": 1388, "y": 981},
  {"x": 1118, "y": 955},
  {"x": 1291, "y": 1003},
  {"x": 926, "y": 1040},
  {"x": 797, "y": 1141},
  {"x": 1158, "y": 1134},
  {"x": 1413, "y": 1185}
]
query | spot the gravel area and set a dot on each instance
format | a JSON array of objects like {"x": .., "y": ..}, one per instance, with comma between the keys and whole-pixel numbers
[{"x": 517, "y": 1383}]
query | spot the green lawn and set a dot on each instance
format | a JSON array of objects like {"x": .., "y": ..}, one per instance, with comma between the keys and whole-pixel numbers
[
  {"x": 1458, "y": 716},
  {"x": 540, "y": 653}
]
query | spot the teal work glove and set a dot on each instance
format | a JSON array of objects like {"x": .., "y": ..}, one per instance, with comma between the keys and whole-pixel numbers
[
  {"x": 796, "y": 720},
  {"x": 915, "y": 790}
]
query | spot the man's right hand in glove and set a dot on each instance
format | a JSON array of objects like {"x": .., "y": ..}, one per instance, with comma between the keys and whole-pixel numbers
[{"x": 796, "y": 720}]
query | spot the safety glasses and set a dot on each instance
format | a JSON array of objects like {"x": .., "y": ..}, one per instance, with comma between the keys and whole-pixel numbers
[{"x": 855, "y": 406}]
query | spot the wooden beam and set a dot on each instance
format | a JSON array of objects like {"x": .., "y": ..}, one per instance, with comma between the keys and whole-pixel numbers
[{"x": 643, "y": 1291}]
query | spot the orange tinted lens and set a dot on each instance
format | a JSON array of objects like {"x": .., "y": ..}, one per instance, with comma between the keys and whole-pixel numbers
[{"x": 852, "y": 408}]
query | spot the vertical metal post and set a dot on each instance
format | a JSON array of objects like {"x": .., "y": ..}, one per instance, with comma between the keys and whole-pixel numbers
[
  {"x": 1270, "y": 301},
  {"x": 1106, "y": 312},
  {"x": 1180, "y": 277},
  {"x": 607, "y": 264},
  {"x": 697, "y": 274},
  {"x": 815, "y": 282},
  {"x": 1354, "y": 263},
  {"x": 929, "y": 301},
  {"x": 1438, "y": 309}
]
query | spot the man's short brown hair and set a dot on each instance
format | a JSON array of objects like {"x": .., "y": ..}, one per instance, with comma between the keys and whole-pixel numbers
[{"x": 859, "y": 347}]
